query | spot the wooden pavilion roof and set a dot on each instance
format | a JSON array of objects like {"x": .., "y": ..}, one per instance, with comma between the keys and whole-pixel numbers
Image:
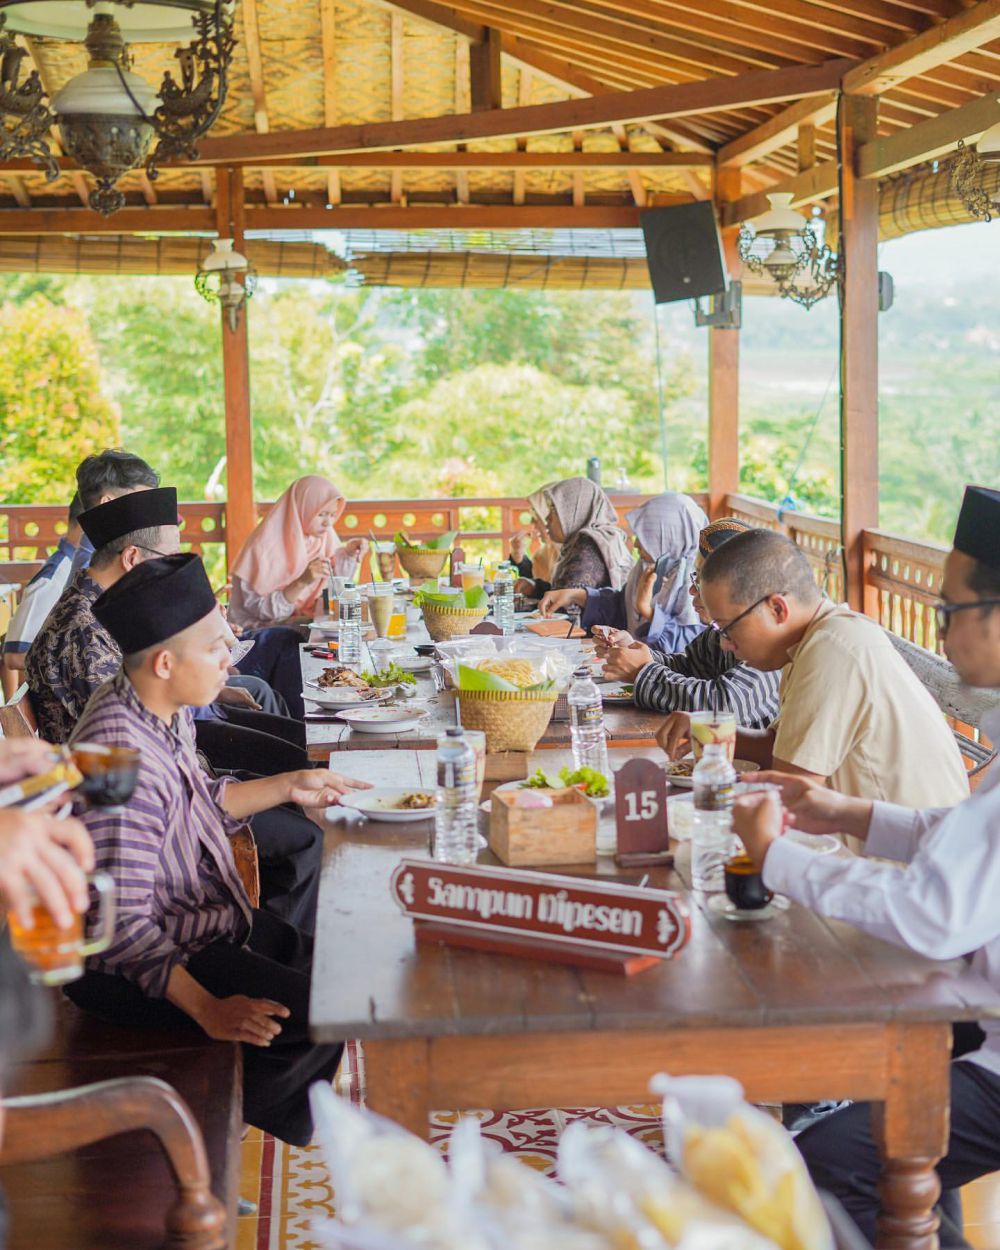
[{"x": 488, "y": 113}]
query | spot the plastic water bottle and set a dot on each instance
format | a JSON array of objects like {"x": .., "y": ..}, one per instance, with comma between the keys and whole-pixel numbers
[
  {"x": 349, "y": 635},
  {"x": 456, "y": 817},
  {"x": 503, "y": 598},
  {"x": 712, "y": 838},
  {"x": 586, "y": 716}
]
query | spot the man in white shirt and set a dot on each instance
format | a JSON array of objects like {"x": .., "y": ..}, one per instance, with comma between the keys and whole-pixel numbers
[{"x": 941, "y": 898}]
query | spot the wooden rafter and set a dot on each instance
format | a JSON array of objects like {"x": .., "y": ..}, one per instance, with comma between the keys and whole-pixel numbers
[
  {"x": 639, "y": 106},
  {"x": 484, "y": 73},
  {"x": 777, "y": 131},
  {"x": 167, "y": 220},
  {"x": 328, "y": 24},
  {"x": 396, "y": 93},
  {"x": 255, "y": 69},
  {"x": 463, "y": 71},
  {"x": 805, "y": 188},
  {"x": 523, "y": 99},
  {"x": 965, "y": 31},
  {"x": 929, "y": 140}
]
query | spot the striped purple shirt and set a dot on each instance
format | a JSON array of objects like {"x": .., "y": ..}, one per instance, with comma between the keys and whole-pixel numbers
[{"x": 177, "y": 889}]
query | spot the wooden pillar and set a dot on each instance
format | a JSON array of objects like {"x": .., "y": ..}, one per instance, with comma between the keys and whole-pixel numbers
[
  {"x": 484, "y": 72},
  {"x": 241, "y": 515},
  {"x": 724, "y": 376},
  {"x": 858, "y": 344}
]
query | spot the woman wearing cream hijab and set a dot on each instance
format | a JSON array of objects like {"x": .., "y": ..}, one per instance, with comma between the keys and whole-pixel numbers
[
  {"x": 286, "y": 561},
  {"x": 593, "y": 548}
]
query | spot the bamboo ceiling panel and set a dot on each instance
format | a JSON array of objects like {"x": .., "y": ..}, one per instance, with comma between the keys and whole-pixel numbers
[{"x": 373, "y": 62}]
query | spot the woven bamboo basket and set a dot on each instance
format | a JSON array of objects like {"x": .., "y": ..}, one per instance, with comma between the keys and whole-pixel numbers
[
  {"x": 422, "y": 561},
  {"x": 513, "y": 720},
  {"x": 444, "y": 624}
]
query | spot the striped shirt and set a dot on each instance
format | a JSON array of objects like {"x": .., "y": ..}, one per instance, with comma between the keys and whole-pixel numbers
[
  {"x": 38, "y": 599},
  {"x": 176, "y": 887},
  {"x": 704, "y": 677}
]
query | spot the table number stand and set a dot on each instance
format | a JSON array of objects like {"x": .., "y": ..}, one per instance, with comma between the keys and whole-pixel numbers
[{"x": 641, "y": 816}]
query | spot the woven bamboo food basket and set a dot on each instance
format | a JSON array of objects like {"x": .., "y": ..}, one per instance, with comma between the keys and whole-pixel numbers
[
  {"x": 421, "y": 561},
  {"x": 444, "y": 623},
  {"x": 513, "y": 720}
]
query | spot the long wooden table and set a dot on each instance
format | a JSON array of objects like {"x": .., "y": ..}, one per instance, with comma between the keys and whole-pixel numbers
[
  {"x": 797, "y": 1008},
  {"x": 626, "y": 726}
]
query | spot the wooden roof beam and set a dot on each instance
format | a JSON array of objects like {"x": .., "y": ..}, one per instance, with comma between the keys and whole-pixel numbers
[
  {"x": 805, "y": 188},
  {"x": 965, "y": 31},
  {"x": 484, "y": 73},
  {"x": 396, "y": 93},
  {"x": 255, "y": 68},
  {"x": 777, "y": 131},
  {"x": 930, "y": 139},
  {"x": 631, "y": 107},
  {"x": 163, "y": 220},
  {"x": 328, "y": 26}
]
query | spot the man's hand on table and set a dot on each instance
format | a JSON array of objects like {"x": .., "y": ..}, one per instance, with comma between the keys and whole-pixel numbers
[
  {"x": 319, "y": 787},
  {"x": 815, "y": 808},
  {"x": 626, "y": 663}
]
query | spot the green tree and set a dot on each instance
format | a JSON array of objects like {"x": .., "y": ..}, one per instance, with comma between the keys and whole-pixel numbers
[{"x": 54, "y": 409}]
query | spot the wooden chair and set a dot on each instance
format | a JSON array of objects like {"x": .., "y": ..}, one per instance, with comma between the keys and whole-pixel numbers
[
  {"x": 122, "y": 1138},
  {"x": 961, "y": 703},
  {"x": 17, "y": 716}
]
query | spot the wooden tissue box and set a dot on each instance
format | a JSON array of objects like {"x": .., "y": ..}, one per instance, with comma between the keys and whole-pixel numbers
[{"x": 565, "y": 833}]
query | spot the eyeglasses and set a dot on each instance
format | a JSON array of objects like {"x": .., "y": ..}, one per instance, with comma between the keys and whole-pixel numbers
[
  {"x": 152, "y": 550},
  {"x": 943, "y": 612},
  {"x": 725, "y": 631},
  {"x": 695, "y": 580}
]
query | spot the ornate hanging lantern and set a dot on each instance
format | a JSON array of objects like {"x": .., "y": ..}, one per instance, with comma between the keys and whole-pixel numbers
[
  {"x": 108, "y": 116},
  {"x": 971, "y": 171},
  {"x": 782, "y": 244}
]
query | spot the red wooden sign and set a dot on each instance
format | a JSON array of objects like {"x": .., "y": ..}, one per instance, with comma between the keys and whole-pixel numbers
[
  {"x": 544, "y": 908},
  {"x": 641, "y": 813}
]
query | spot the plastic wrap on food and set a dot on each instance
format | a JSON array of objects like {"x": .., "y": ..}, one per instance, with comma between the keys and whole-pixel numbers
[
  {"x": 386, "y": 1181},
  {"x": 552, "y": 663},
  {"x": 741, "y": 1159},
  {"x": 624, "y": 1190}
]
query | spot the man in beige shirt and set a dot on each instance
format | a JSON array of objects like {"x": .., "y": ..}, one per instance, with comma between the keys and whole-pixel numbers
[{"x": 851, "y": 713}]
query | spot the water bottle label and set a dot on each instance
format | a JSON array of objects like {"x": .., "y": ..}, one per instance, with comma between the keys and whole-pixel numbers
[
  {"x": 715, "y": 797},
  {"x": 456, "y": 774},
  {"x": 588, "y": 716}
]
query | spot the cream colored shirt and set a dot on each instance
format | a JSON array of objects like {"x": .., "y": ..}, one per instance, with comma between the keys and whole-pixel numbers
[{"x": 851, "y": 710}]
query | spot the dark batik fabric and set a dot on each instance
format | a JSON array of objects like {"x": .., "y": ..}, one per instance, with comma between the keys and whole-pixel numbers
[
  {"x": 69, "y": 659},
  {"x": 585, "y": 568},
  {"x": 176, "y": 886}
]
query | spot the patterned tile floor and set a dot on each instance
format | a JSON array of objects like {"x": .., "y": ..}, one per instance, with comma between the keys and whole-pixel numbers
[{"x": 292, "y": 1191}]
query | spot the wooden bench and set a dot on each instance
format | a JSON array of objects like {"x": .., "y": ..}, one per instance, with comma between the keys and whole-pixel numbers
[
  {"x": 125, "y": 1166},
  {"x": 960, "y": 702}
]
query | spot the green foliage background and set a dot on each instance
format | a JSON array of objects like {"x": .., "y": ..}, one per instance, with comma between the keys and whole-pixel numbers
[{"x": 397, "y": 393}]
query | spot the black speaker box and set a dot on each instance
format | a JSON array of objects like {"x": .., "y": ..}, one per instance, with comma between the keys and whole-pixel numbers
[{"x": 683, "y": 251}]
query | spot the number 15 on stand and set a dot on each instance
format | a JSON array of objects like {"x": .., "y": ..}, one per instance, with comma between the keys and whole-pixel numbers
[{"x": 641, "y": 815}]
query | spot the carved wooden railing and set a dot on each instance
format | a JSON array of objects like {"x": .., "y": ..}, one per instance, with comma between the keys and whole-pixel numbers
[
  {"x": 902, "y": 584},
  {"x": 819, "y": 537},
  {"x": 485, "y": 526}
]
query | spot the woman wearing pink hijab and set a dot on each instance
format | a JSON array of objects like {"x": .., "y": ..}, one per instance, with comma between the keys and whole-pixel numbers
[{"x": 285, "y": 563}]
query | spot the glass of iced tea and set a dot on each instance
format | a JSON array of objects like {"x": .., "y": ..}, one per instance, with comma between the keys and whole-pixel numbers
[
  {"x": 55, "y": 955},
  {"x": 109, "y": 774},
  {"x": 713, "y": 727},
  {"x": 473, "y": 575},
  {"x": 385, "y": 556}
]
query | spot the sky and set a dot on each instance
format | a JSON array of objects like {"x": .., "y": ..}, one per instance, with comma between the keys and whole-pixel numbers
[{"x": 943, "y": 255}]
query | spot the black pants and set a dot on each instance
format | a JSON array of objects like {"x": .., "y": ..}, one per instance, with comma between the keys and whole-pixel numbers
[
  {"x": 229, "y": 745},
  {"x": 276, "y": 963},
  {"x": 289, "y": 853},
  {"x": 844, "y": 1160}
]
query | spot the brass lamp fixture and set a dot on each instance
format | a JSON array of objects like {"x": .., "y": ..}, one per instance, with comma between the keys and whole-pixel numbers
[
  {"x": 970, "y": 171},
  {"x": 226, "y": 277},
  {"x": 108, "y": 116},
  {"x": 783, "y": 245}
]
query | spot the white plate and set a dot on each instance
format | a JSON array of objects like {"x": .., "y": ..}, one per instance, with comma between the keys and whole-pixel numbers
[
  {"x": 340, "y": 699},
  {"x": 379, "y": 804},
  {"x": 327, "y": 626},
  {"x": 687, "y": 783},
  {"x": 722, "y": 906},
  {"x": 612, "y": 692},
  {"x": 382, "y": 720},
  {"x": 818, "y": 843},
  {"x": 415, "y": 663}
]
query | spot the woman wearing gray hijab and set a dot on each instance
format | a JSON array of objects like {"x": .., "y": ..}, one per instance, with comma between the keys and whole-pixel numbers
[
  {"x": 654, "y": 606},
  {"x": 578, "y": 515}
]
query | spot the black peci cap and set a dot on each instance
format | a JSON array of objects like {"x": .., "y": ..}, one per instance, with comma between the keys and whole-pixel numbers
[
  {"x": 978, "y": 531},
  {"x": 156, "y": 600},
  {"x": 140, "y": 510}
]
